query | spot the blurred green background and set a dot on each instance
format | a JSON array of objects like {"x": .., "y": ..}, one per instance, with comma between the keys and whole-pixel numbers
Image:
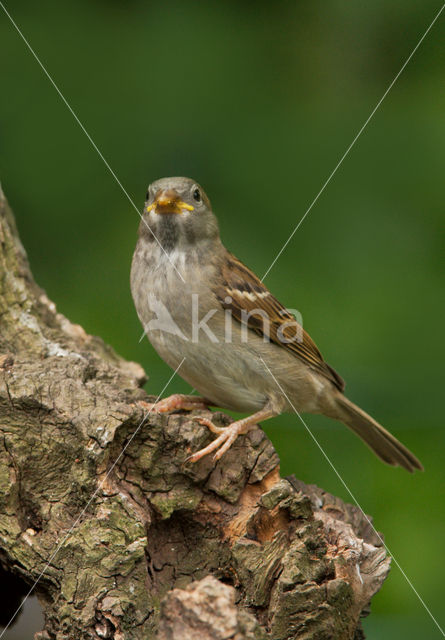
[{"x": 258, "y": 101}]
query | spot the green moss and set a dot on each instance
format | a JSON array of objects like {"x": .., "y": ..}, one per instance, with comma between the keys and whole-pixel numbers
[{"x": 180, "y": 498}]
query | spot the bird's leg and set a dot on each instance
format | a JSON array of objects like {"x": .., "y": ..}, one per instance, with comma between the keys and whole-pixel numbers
[
  {"x": 174, "y": 403},
  {"x": 228, "y": 435}
]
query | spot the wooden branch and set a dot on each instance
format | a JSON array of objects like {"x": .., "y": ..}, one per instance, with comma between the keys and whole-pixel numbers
[{"x": 126, "y": 540}]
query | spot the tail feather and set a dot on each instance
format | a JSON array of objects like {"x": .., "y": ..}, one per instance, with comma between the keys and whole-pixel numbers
[{"x": 383, "y": 443}]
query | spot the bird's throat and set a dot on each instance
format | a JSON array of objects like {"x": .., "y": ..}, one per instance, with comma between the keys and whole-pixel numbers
[{"x": 167, "y": 231}]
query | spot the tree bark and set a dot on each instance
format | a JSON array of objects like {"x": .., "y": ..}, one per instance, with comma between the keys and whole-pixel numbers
[{"x": 127, "y": 540}]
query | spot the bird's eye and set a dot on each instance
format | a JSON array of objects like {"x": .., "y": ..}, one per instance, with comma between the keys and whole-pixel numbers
[
  {"x": 197, "y": 195},
  {"x": 147, "y": 195}
]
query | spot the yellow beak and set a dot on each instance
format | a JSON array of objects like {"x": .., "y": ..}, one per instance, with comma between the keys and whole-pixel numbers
[{"x": 168, "y": 201}]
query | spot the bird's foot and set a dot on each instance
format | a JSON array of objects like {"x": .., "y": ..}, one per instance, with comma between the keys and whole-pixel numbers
[
  {"x": 209, "y": 424},
  {"x": 225, "y": 439},
  {"x": 174, "y": 403}
]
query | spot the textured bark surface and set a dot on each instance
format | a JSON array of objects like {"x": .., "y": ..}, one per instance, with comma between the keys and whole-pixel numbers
[{"x": 147, "y": 545}]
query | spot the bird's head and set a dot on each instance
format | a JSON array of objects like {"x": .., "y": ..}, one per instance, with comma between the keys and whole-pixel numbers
[{"x": 179, "y": 213}]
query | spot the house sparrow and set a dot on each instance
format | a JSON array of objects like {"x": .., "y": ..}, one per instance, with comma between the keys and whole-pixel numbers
[{"x": 239, "y": 347}]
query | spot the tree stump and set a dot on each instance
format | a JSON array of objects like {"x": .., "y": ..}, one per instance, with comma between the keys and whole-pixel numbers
[{"x": 120, "y": 536}]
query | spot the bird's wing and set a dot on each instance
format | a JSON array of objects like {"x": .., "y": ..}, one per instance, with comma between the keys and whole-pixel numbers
[{"x": 252, "y": 304}]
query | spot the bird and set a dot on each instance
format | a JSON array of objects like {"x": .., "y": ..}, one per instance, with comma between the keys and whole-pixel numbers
[{"x": 211, "y": 319}]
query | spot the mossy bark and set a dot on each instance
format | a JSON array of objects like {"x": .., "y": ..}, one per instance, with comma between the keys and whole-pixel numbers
[{"x": 124, "y": 538}]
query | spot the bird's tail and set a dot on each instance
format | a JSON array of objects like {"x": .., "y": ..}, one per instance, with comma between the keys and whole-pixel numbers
[{"x": 383, "y": 443}]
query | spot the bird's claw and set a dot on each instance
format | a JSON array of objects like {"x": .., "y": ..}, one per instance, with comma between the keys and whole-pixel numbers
[
  {"x": 176, "y": 402},
  {"x": 209, "y": 424},
  {"x": 225, "y": 439}
]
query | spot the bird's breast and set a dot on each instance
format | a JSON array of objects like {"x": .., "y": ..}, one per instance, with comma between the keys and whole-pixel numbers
[{"x": 219, "y": 357}]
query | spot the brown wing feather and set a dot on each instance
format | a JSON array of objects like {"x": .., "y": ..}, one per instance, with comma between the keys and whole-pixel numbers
[{"x": 243, "y": 293}]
